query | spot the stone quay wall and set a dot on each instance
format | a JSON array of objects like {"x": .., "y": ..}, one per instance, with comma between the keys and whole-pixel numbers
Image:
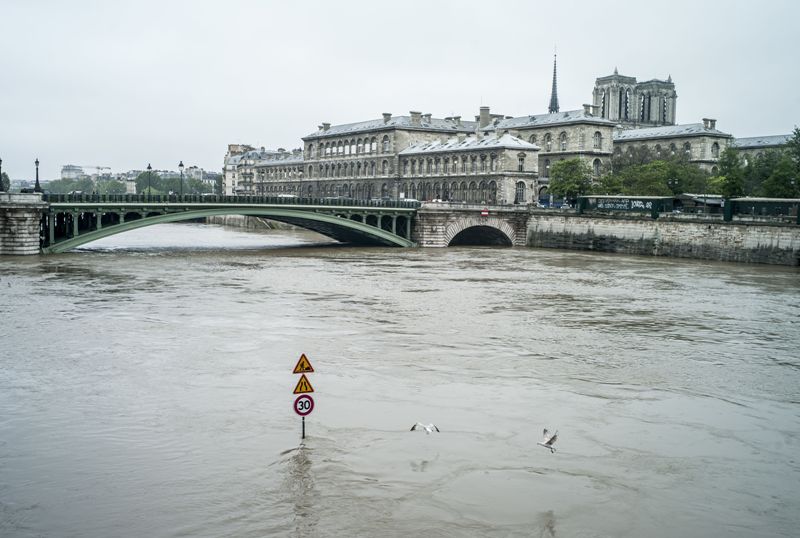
[
  {"x": 704, "y": 239},
  {"x": 20, "y": 216}
]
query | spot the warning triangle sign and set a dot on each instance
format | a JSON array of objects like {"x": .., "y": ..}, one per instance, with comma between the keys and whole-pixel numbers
[
  {"x": 303, "y": 386},
  {"x": 303, "y": 366}
]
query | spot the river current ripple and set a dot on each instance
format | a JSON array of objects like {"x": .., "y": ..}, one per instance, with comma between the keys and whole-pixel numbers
[{"x": 146, "y": 390}]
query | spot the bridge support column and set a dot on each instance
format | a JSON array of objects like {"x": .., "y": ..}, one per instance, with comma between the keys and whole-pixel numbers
[
  {"x": 394, "y": 224},
  {"x": 51, "y": 228},
  {"x": 75, "y": 217},
  {"x": 99, "y": 217},
  {"x": 20, "y": 218}
]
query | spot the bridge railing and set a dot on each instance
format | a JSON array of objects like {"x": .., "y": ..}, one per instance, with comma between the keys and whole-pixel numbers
[{"x": 85, "y": 198}]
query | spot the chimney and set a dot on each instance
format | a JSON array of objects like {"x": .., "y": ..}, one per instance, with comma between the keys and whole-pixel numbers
[
  {"x": 415, "y": 117},
  {"x": 462, "y": 137},
  {"x": 709, "y": 123},
  {"x": 386, "y": 117},
  {"x": 326, "y": 126},
  {"x": 588, "y": 109},
  {"x": 457, "y": 119},
  {"x": 484, "y": 117},
  {"x": 426, "y": 118}
]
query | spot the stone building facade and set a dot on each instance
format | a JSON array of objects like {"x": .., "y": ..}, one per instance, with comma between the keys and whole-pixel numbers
[{"x": 493, "y": 159}]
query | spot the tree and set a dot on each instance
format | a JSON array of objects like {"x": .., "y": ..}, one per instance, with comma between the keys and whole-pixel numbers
[
  {"x": 570, "y": 178},
  {"x": 651, "y": 179},
  {"x": 759, "y": 169},
  {"x": 793, "y": 147},
  {"x": 632, "y": 156},
  {"x": 111, "y": 186},
  {"x": 782, "y": 183},
  {"x": 5, "y": 183},
  {"x": 607, "y": 184},
  {"x": 730, "y": 182}
]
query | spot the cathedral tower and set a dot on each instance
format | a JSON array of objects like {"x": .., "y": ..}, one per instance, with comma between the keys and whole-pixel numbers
[{"x": 635, "y": 104}]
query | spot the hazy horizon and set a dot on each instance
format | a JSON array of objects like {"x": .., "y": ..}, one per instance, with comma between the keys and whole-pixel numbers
[{"x": 125, "y": 84}]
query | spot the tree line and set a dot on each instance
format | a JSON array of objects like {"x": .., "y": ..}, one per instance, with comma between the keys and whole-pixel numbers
[
  {"x": 639, "y": 172},
  {"x": 156, "y": 185}
]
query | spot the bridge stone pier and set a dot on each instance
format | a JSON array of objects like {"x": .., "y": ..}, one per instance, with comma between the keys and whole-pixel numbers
[
  {"x": 20, "y": 220},
  {"x": 452, "y": 224}
]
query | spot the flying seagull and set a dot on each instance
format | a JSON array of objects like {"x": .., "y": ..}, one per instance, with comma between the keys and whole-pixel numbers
[
  {"x": 427, "y": 427},
  {"x": 549, "y": 440}
]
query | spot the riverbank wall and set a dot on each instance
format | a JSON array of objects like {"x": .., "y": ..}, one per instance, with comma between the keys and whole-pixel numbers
[{"x": 707, "y": 239}]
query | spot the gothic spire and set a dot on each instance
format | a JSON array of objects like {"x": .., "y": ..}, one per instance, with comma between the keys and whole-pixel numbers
[{"x": 554, "y": 95}]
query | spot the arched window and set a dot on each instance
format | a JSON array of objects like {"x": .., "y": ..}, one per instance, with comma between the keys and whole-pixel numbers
[
  {"x": 563, "y": 141},
  {"x": 598, "y": 140},
  {"x": 474, "y": 165},
  {"x": 446, "y": 166},
  {"x": 532, "y": 139},
  {"x": 360, "y": 146},
  {"x": 340, "y": 148},
  {"x": 385, "y": 144},
  {"x": 483, "y": 163},
  {"x": 310, "y": 171},
  {"x": 385, "y": 168},
  {"x": 373, "y": 145},
  {"x": 548, "y": 142},
  {"x": 436, "y": 166},
  {"x": 311, "y": 150},
  {"x": 429, "y": 167},
  {"x": 463, "y": 165},
  {"x": 372, "y": 168},
  {"x": 413, "y": 167},
  {"x": 493, "y": 162},
  {"x": 687, "y": 149},
  {"x": 352, "y": 147},
  {"x": 547, "y": 168},
  {"x": 715, "y": 150},
  {"x": 714, "y": 170},
  {"x": 596, "y": 167},
  {"x": 519, "y": 193},
  {"x": 521, "y": 162},
  {"x": 405, "y": 167},
  {"x": 672, "y": 149},
  {"x": 346, "y": 147},
  {"x": 658, "y": 150}
]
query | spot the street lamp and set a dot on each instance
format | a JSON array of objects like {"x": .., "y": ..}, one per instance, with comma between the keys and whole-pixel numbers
[
  {"x": 37, "y": 187},
  {"x": 180, "y": 167},
  {"x": 149, "y": 168}
]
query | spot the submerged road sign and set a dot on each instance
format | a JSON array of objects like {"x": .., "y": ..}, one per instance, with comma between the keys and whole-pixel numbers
[
  {"x": 303, "y": 405},
  {"x": 303, "y": 386},
  {"x": 303, "y": 366}
]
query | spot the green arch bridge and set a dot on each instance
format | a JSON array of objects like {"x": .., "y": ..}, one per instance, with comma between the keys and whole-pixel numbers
[{"x": 70, "y": 220}]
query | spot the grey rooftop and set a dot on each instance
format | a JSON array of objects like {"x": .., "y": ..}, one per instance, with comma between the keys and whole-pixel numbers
[
  {"x": 395, "y": 122},
  {"x": 761, "y": 141},
  {"x": 470, "y": 143},
  {"x": 543, "y": 120},
  {"x": 667, "y": 131}
]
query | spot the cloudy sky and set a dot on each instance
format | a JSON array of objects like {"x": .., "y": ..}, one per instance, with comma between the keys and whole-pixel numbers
[{"x": 127, "y": 83}]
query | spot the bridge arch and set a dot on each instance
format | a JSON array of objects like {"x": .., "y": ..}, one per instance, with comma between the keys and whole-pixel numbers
[
  {"x": 479, "y": 231},
  {"x": 342, "y": 229}
]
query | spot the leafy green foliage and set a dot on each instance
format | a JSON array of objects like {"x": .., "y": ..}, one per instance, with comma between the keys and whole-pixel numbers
[
  {"x": 65, "y": 186},
  {"x": 730, "y": 182},
  {"x": 782, "y": 182},
  {"x": 5, "y": 183},
  {"x": 570, "y": 178}
]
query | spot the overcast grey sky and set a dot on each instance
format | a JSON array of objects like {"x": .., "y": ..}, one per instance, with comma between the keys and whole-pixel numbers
[{"x": 127, "y": 83}]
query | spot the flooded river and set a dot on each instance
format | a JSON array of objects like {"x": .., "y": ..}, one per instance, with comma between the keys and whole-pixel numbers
[{"x": 146, "y": 390}]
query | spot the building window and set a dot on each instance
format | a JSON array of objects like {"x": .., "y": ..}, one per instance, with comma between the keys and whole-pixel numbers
[
  {"x": 548, "y": 142},
  {"x": 493, "y": 163},
  {"x": 446, "y": 166},
  {"x": 413, "y": 167},
  {"x": 483, "y": 163},
  {"x": 385, "y": 144},
  {"x": 596, "y": 167},
  {"x": 385, "y": 167},
  {"x": 373, "y": 145},
  {"x": 532, "y": 139},
  {"x": 687, "y": 149},
  {"x": 547, "y": 168},
  {"x": 405, "y": 168},
  {"x": 598, "y": 140},
  {"x": 521, "y": 163},
  {"x": 474, "y": 165},
  {"x": 519, "y": 193},
  {"x": 563, "y": 141},
  {"x": 715, "y": 150}
]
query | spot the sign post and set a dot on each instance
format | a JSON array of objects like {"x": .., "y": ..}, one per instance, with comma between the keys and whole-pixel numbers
[{"x": 303, "y": 404}]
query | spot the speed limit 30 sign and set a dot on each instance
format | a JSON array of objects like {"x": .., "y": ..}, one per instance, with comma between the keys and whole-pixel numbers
[{"x": 303, "y": 405}]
